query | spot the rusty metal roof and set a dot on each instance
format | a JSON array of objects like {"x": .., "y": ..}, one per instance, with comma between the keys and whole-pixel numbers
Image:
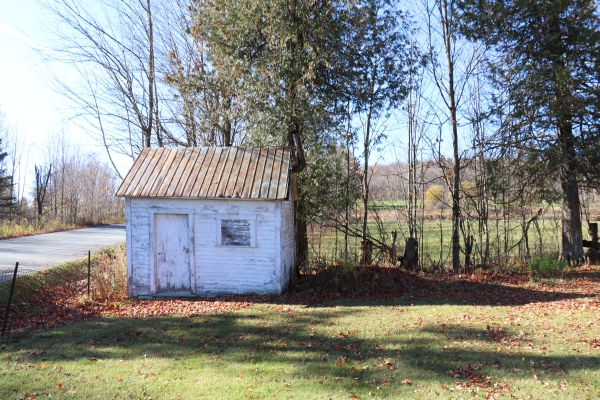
[{"x": 210, "y": 173}]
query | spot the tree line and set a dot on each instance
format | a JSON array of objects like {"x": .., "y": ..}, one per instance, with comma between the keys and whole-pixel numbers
[
  {"x": 54, "y": 185},
  {"x": 498, "y": 99}
]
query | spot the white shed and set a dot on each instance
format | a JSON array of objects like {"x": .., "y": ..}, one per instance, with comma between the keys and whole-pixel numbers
[{"x": 209, "y": 221}]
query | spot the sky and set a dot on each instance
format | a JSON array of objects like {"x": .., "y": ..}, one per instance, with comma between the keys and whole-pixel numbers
[
  {"x": 25, "y": 97},
  {"x": 31, "y": 105}
]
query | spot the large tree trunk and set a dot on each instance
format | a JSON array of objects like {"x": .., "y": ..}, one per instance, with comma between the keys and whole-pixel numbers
[
  {"x": 300, "y": 233},
  {"x": 572, "y": 240},
  {"x": 300, "y": 227}
]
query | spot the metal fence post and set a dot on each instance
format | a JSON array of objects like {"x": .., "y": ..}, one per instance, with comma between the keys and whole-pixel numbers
[
  {"x": 12, "y": 289},
  {"x": 89, "y": 271}
]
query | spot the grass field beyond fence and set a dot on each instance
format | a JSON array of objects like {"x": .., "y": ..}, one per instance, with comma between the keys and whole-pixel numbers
[
  {"x": 342, "y": 350},
  {"x": 436, "y": 240}
]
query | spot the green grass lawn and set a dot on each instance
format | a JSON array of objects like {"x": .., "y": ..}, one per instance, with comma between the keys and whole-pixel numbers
[
  {"x": 437, "y": 236},
  {"x": 341, "y": 350},
  {"x": 390, "y": 204}
]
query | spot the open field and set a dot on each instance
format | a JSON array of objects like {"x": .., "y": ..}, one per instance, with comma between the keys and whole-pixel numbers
[
  {"x": 436, "y": 239},
  {"x": 390, "y": 204}
]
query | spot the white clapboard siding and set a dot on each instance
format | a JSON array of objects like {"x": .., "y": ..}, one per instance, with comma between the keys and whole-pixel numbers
[{"x": 216, "y": 270}]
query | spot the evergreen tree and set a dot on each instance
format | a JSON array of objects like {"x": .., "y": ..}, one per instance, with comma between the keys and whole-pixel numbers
[
  {"x": 296, "y": 66},
  {"x": 7, "y": 200},
  {"x": 547, "y": 62},
  {"x": 282, "y": 56}
]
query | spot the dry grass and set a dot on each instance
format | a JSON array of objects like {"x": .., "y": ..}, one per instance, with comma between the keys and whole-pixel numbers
[
  {"x": 27, "y": 228},
  {"x": 109, "y": 275}
]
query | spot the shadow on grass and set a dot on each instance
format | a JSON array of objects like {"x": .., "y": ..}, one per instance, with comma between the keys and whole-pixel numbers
[
  {"x": 342, "y": 346},
  {"x": 290, "y": 339},
  {"x": 375, "y": 282}
]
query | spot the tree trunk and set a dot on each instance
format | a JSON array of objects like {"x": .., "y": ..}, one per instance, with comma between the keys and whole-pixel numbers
[
  {"x": 571, "y": 243},
  {"x": 227, "y": 136},
  {"x": 300, "y": 227},
  {"x": 366, "y": 250},
  {"x": 469, "y": 242},
  {"x": 300, "y": 233},
  {"x": 445, "y": 14},
  {"x": 455, "y": 197},
  {"x": 411, "y": 254},
  {"x": 365, "y": 180},
  {"x": 151, "y": 78},
  {"x": 593, "y": 231},
  {"x": 392, "y": 251}
]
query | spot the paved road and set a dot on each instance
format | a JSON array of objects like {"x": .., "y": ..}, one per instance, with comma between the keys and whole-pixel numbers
[{"x": 42, "y": 251}]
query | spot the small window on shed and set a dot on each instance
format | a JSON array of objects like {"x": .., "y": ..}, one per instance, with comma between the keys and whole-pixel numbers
[{"x": 236, "y": 232}]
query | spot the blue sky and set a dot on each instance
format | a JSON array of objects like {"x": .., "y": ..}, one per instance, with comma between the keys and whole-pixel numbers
[
  {"x": 28, "y": 102},
  {"x": 23, "y": 96}
]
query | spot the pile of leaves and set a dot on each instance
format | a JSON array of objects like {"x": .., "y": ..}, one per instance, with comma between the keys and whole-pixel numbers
[
  {"x": 473, "y": 378},
  {"x": 470, "y": 380}
]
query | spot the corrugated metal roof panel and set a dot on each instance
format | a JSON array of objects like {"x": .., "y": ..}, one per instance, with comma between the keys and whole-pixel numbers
[{"x": 210, "y": 172}]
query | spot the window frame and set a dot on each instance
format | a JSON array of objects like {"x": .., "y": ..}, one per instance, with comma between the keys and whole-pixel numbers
[{"x": 251, "y": 220}]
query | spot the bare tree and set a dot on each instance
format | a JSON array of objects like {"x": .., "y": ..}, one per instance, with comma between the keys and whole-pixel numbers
[
  {"x": 452, "y": 62},
  {"x": 80, "y": 189},
  {"x": 111, "y": 46},
  {"x": 209, "y": 104},
  {"x": 14, "y": 165},
  {"x": 42, "y": 176}
]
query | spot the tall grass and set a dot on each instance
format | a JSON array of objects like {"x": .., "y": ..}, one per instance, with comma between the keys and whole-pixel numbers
[
  {"x": 109, "y": 275},
  {"x": 108, "y": 278}
]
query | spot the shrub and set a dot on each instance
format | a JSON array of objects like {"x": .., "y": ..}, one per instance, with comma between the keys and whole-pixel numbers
[
  {"x": 434, "y": 196},
  {"x": 546, "y": 265}
]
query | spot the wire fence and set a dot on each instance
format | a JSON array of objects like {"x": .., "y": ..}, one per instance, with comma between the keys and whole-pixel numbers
[
  {"x": 18, "y": 284},
  {"x": 6, "y": 274},
  {"x": 8, "y": 280}
]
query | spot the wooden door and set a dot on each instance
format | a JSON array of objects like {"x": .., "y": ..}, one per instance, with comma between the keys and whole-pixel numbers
[{"x": 172, "y": 253}]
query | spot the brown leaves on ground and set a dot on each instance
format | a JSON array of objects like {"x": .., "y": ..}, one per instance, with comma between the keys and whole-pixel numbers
[
  {"x": 468, "y": 378},
  {"x": 594, "y": 343},
  {"x": 65, "y": 304},
  {"x": 578, "y": 290},
  {"x": 496, "y": 334},
  {"x": 473, "y": 377}
]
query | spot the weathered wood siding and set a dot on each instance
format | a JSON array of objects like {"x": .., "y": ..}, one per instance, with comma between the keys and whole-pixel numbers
[{"x": 262, "y": 267}]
